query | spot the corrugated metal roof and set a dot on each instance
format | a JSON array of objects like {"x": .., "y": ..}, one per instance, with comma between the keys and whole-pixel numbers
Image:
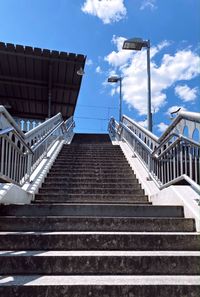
[{"x": 32, "y": 78}]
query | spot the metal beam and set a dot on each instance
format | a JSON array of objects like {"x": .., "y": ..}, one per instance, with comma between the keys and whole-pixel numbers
[
  {"x": 34, "y": 83},
  {"x": 5, "y": 99},
  {"x": 36, "y": 116},
  {"x": 40, "y": 57}
]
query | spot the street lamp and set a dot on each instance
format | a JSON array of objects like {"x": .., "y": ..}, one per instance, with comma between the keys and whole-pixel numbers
[
  {"x": 80, "y": 71},
  {"x": 115, "y": 79},
  {"x": 137, "y": 44}
]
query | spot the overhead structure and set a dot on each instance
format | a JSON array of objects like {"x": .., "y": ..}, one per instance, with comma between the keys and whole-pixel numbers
[{"x": 38, "y": 83}]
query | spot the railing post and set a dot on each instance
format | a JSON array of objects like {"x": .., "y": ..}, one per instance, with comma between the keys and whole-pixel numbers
[
  {"x": 30, "y": 156},
  {"x": 149, "y": 167}
]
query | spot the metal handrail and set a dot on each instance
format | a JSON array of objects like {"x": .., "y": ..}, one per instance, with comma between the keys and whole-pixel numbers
[
  {"x": 179, "y": 138},
  {"x": 147, "y": 132},
  {"x": 21, "y": 153},
  {"x": 46, "y": 137},
  {"x": 169, "y": 158},
  {"x": 9, "y": 121},
  {"x": 11, "y": 129},
  {"x": 34, "y": 131},
  {"x": 182, "y": 115},
  {"x": 136, "y": 137}
]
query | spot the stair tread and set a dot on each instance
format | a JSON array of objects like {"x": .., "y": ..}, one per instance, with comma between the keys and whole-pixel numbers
[
  {"x": 95, "y": 217},
  {"x": 100, "y": 280},
  {"x": 91, "y": 253},
  {"x": 78, "y": 233}
]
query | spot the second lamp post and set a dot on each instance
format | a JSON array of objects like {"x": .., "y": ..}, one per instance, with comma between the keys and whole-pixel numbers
[{"x": 114, "y": 79}]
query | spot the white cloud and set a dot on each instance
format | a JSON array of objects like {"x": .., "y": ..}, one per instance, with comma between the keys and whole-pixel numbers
[
  {"x": 185, "y": 93},
  {"x": 183, "y": 65},
  {"x": 143, "y": 123},
  {"x": 119, "y": 57},
  {"x": 89, "y": 62},
  {"x": 98, "y": 70},
  {"x": 162, "y": 127},
  {"x": 151, "y": 4},
  {"x": 107, "y": 10},
  {"x": 113, "y": 91}
]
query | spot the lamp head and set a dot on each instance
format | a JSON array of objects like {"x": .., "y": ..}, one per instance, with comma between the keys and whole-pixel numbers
[
  {"x": 114, "y": 79},
  {"x": 80, "y": 72},
  {"x": 135, "y": 44}
]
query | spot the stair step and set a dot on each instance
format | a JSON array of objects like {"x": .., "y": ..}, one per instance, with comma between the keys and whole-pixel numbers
[
  {"x": 74, "y": 200},
  {"x": 100, "y": 286},
  {"x": 93, "y": 158},
  {"x": 94, "y": 174},
  {"x": 92, "y": 148},
  {"x": 100, "y": 241},
  {"x": 94, "y": 198},
  {"x": 100, "y": 262},
  {"x": 91, "y": 165},
  {"x": 80, "y": 223},
  {"x": 91, "y": 184},
  {"x": 102, "y": 191},
  {"x": 85, "y": 170},
  {"x": 86, "y": 180},
  {"x": 106, "y": 210}
]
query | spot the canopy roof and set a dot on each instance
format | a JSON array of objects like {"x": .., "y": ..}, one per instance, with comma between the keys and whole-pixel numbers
[{"x": 38, "y": 83}]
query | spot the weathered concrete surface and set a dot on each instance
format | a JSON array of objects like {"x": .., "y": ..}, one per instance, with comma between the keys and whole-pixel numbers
[
  {"x": 99, "y": 241},
  {"x": 102, "y": 210},
  {"x": 100, "y": 262},
  {"x": 77, "y": 223}
]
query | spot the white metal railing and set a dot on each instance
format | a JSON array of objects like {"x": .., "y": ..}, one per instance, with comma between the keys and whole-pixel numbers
[
  {"x": 15, "y": 156},
  {"x": 170, "y": 158},
  {"x": 21, "y": 153}
]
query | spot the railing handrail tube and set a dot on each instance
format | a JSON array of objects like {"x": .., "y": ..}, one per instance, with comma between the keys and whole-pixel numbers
[
  {"x": 192, "y": 116},
  {"x": 11, "y": 129},
  {"x": 51, "y": 132},
  {"x": 138, "y": 139},
  {"x": 46, "y": 137},
  {"x": 6, "y": 130},
  {"x": 179, "y": 138},
  {"x": 43, "y": 125},
  {"x": 71, "y": 125},
  {"x": 11, "y": 120},
  {"x": 144, "y": 130},
  {"x": 185, "y": 177}
]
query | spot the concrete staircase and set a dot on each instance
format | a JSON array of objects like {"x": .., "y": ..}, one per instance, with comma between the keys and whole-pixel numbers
[{"x": 92, "y": 232}]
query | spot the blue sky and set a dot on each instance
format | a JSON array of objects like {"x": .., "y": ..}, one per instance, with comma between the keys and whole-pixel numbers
[{"x": 97, "y": 29}]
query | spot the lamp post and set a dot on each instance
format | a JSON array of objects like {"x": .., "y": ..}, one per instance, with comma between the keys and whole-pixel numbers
[
  {"x": 115, "y": 79},
  {"x": 137, "y": 44}
]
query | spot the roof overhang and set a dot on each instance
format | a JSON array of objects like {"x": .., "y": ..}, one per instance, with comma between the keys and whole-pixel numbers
[{"x": 38, "y": 83}]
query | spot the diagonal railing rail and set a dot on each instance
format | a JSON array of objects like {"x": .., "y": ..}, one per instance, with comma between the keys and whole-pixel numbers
[
  {"x": 21, "y": 153},
  {"x": 172, "y": 157}
]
